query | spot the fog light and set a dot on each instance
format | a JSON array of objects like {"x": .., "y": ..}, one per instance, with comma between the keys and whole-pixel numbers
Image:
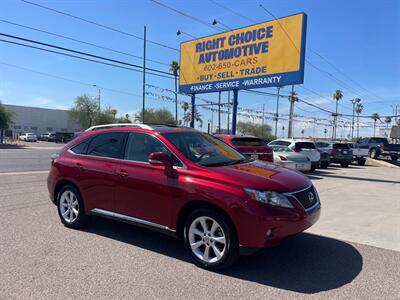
[{"x": 269, "y": 232}]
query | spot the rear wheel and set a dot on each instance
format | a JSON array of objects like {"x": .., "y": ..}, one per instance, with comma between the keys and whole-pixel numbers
[
  {"x": 70, "y": 207},
  {"x": 394, "y": 157},
  {"x": 313, "y": 168},
  {"x": 373, "y": 153},
  {"x": 344, "y": 165},
  {"x": 211, "y": 239},
  {"x": 361, "y": 162},
  {"x": 324, "y": 165}
]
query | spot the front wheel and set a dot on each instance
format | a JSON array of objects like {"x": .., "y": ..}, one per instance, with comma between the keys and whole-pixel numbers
[
  {"x": 394, "y": 157},
  {"x": 373, "y": 153},
  {"x": 211, "y": 239},
  {"x": 324, "y": 165},
  {"x": 344, "y": 165},
  {"x": 70, "y": 207},
  {"x": 361, "y": 162}
]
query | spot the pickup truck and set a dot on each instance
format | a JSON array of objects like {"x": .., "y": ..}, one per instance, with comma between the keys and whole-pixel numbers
[
  {"x": 359, "y": 154},
  {"x": 379, "y": 146}
]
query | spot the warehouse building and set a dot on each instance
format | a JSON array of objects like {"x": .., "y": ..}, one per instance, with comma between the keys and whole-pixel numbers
[{"x": 40, "y": 120}]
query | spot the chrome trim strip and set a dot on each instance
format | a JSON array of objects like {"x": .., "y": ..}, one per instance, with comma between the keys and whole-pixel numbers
[
  {"x": 298, "y": 201},
  {"x": 129, "y": 219},
  {"x": 133, "y": 125}
]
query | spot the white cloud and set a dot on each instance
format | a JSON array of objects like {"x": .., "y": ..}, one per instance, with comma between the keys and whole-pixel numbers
[{"x": 47, "y": 103}]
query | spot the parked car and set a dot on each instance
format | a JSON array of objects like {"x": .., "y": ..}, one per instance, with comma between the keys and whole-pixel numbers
[
  {"x": 48, "y": 137},
  {"x": 284, "y": 156},
  {"x": 249, "y": 146},
  {"x": 359, "y": 154},
  {"x": 380, "y": 146},
  {"x": 64, "y": 137},
  {"x": 28, "y": 137},
  {"x": 340, "y": 153},
  {"x": 304, "y": 147},
  {"x": 183, "y": 182}
]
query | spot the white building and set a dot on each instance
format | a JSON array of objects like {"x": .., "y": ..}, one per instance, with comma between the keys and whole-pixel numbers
[{"x": 40, "y": 120}]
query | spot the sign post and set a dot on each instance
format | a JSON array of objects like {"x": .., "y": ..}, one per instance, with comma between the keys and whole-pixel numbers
[
  {"x": 193, "y": 111},
  {"x": 268, "y": 54}
]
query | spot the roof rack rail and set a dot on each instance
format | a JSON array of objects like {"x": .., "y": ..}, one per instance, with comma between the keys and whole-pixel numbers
[{"x": 133, "y": 125}]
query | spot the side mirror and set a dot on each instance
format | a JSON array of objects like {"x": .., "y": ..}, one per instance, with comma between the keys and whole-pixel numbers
[{"x": 162, "y": 159}]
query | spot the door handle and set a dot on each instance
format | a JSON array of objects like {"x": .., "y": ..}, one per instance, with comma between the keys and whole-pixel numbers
[{"x": 122, "y": 173}]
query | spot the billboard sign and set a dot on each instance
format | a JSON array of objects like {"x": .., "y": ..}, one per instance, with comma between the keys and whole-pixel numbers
[{"x": 262, "y": 55}]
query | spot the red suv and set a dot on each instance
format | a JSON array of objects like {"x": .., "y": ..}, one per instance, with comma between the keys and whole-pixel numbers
[
  {"x": 182, "y": 182},
  {"x": 250, "y": 146}
]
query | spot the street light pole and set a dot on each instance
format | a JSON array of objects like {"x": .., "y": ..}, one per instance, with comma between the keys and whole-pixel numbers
[
  {"x": 98, "y": 97},
  {"x": 276, "y": 114},
  {"x": 144, "y": 74}
]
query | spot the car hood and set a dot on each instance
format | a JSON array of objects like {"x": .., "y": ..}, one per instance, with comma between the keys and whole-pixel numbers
[{"x": 261, "y": 175}]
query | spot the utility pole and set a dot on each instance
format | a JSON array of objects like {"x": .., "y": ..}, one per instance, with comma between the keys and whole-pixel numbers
[
  {"x": 229, "y": 107},
  {"x": 262, "y": 120},
  {"x": 98, "y": 97},
  {"x": 315, "y": 122},
  {"x": 290, "y": 126},
  {"x": 219, "y": 112},
  {"x": 144, "y": 74},
  {"x": 276, "y": 114}
]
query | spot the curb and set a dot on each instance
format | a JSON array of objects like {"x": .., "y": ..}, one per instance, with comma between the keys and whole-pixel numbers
[{"x": 379, "y": 163}]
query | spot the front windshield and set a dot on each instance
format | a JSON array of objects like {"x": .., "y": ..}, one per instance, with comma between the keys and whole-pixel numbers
[
  {"x": 280, "y": 148},
  {"x": 204, "y": 149}
]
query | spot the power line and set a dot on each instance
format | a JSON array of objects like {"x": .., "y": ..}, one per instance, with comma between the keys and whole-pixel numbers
[
  {"x": 100, "y": 25},
  {"x": 232, "y": 11},
  {"x": 66, "y": 79},
  {"x": 80, "y": 41},
  {"x": 83, "y": 53},
  {"x": 80, "y": 57},
  {"x": 184, "y": 14}
]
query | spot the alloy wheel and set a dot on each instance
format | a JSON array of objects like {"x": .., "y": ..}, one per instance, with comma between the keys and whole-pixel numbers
[
  {"x": 69, "y": 206},
  {"x": 207, "y": 239}
]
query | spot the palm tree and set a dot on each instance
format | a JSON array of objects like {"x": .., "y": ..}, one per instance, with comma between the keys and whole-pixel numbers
[
  {"x": 388, "y": 120},
  {"x": 338, "y": 95},
  {"x": 302, "y": 133},
  {"x": 325, "y": 132},
  {"x": 188, "y": 117},
  {"x": 283, "y": 131},
  {"x": 185, "y": 107},
  {"x": 359, "y": 108},
  {"x": 174, "y": 68},
  {"x": 375, "y": 117}
]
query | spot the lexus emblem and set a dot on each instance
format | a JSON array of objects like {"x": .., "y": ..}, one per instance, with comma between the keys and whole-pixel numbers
[{"x": 310, "y": 197}]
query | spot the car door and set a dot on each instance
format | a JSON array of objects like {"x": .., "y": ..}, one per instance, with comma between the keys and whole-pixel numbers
[
  {"x": 96, "y": 169},
  {"x": 143, "y": 190}
]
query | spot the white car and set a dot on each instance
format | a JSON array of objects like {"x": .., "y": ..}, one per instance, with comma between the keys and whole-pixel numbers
[
  {"x": 284, "y": 156},
  {"x": 304, "y": 147},
  {"x": 28, "y": 137}
]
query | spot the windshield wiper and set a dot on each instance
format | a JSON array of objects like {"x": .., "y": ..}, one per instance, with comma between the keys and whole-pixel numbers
[{"x": 235, "y": 162}]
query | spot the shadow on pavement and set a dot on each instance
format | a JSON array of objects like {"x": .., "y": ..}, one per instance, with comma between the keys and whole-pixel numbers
[
  {"x": 361, "y": 178},
  {"x": 305, "y": 263}
]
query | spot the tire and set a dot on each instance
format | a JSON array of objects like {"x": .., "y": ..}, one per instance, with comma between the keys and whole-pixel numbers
[
  {"x": 324, "y": 165},
  {"x": 344, "y": 165},
  {"x": 227, "y": 245},
  {"x": 70, "y": 207},
  {"x": 394, "y": 157},
  {"x": 373, "y": 153},
  {"x": 313, "y": 168},
  {"x": 361, "y": 162}
]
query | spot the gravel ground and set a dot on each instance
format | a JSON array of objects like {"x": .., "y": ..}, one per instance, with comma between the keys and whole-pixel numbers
[{"x": 41, "y": 259}]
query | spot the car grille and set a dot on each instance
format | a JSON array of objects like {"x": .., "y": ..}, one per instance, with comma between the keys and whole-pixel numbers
[{"x": 305, "y": 199}]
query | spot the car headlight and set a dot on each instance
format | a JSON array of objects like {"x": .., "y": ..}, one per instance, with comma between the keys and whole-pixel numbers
[{"x": 268, "y": 197}]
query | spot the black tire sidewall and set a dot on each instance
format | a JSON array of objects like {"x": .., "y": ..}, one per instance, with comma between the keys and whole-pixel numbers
[
  {"x": 80, "y": 221},
  {"x": 232, "y": 244}
]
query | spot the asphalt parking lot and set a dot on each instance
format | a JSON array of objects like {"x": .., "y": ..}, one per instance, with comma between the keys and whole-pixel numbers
[{"x": 352, "y": 252}]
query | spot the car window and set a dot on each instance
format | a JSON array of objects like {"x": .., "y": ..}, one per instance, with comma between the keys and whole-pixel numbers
[
  {"x": 107, "y": 144},
  {"x": 245, "y": 141},
  {"x": 80, "y": 148},
  {"x": 140, "y": 145},
  {"x": 204, "y": 149},
  {"x": 341, "y": 146},
  {"x": 379, "y": 140},
  {"x": 322, "y": 145},
  {"x": 280, "y": 148},
  {"x": 305, "y": 145}
]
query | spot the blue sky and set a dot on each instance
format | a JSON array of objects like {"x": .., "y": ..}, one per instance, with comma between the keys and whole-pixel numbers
[{"x": 360, "y": 38}]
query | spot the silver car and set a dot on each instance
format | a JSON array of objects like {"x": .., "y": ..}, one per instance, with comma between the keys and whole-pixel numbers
[{"x": 285, "y": 156}]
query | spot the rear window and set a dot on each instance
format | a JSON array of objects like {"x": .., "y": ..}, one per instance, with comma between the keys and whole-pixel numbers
[
  {"x": 305, "y": 145},
  {"x": 379, "y": 140},
  {"x": 322, "y": 145},
  {"x": 248, "y": 142},
  {"x": 341, "y": 146}
]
